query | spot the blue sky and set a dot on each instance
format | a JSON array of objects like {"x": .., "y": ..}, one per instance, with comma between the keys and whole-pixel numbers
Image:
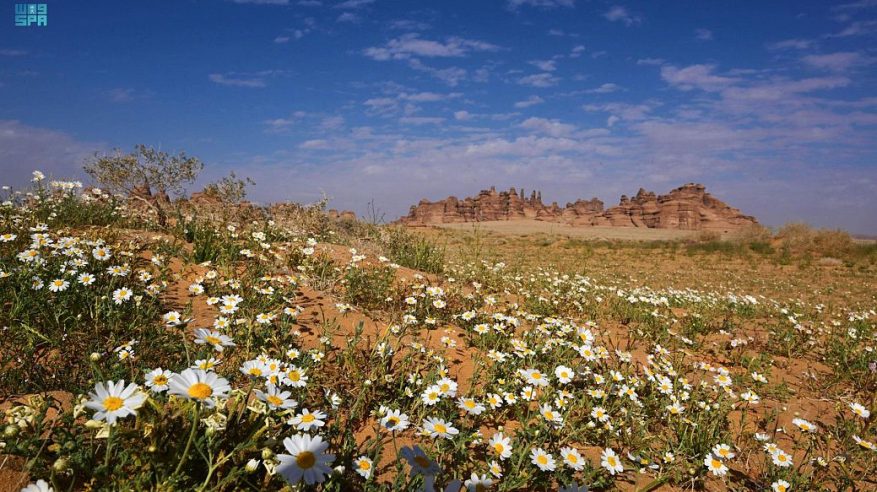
[{"x": 771, "y": 105}]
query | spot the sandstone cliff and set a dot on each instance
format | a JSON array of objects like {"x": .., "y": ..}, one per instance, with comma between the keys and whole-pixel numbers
[{"x": 688, "y": 207}]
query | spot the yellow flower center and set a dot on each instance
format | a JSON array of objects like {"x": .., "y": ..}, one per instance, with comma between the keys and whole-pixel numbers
[
  {"x": 113, "y": 403},
  {"x": 440, "y": 428},
  {"x": 715, "y": 463},
  {"x": 200, "y": 391},
  {"x": 308, "y": 418},
  {"x": 159, "y": 380},
  {"x": 393, "y": 420},
  {"x": 572, "y": 458},
  {"x": 255, "y": 371},
  {"x": 365, "y": 465},
  {"x": 499, "y": 448},
  {"x": 542, "y": 459},
  {"x": 536, "y": 375},
  {"x": 294, "y": 376},
  {"x": 274, "y": 400},
  {"x": 211, "y": 339},
  {"x": 305, "y": 460},
  {"x": 610, "y": 460},
  {"x": 469, "y": 404}
]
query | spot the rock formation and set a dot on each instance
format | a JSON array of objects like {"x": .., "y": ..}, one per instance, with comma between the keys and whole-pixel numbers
[
  {"x": 488, "y": 205},
  {"x": 688, "y": 207},
  {"x": 342, "y": 215}
]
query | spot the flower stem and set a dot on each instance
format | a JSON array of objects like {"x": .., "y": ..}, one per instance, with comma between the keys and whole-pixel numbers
[
  {"x": 191, "y": 438},
  {"x": 109, "y": 447}
]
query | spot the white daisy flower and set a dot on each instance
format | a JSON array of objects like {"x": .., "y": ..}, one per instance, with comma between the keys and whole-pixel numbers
[
  {"x": 307, "y": 420},
  {"x": 542, "y": 460},
  {"x": 112, "y": 400},
  {"x": 306, "y": 460},
  {"x": 157, "y": 379},
  {"x": 610, "y": 461},
  {"x": 199, "y": 385}
]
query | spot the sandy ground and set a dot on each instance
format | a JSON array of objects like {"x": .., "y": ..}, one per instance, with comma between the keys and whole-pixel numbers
[{"x": 529, "y": 226}]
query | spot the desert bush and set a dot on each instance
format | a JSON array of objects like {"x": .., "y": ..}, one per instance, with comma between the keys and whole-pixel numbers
[
  {"x": 708, "y": 236},
  {"x": 144, "y": 170},
  {"x": 753, "y": 233},
  {"x": 229, "y": 190},
  {"x": 412, "y": 250},
  {"x": 368, "y": 287},
  {"x": 800, "y": 239}
]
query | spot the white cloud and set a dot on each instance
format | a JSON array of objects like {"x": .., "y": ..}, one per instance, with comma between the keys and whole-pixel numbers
[
  {"x": 452, "y": 76},
  {"x": 12, "y": 52},
  {"x": 120, "y": 95},
  {"x": 354, "y": 4},
  {"x": 332, "y": 122},
  {"x": 411, "y": 44},
  {"x": 605, "y": 89},
  {"x": 695, "y": 76},
  {"x": 544, "y": 65},
  {"x": 25, "y": 148},
  {"x": 620, "y": 14},
  {"x": 516, "y": 4},
  {"x": 316, "y": 144},
  {"x": 237, "y": 81},
  {"x": 530, "y": 101},
  {"x": 553, "y": 128},
  {"x": 837, "y": 62},
  {"x": 539, "y": 80},
  {"x": 382, "y": 105},
  {"x": 789, "y": 44},
  {"x": 462, "y": 115},
  {"x": 428, "y": 96},
  {"x": 650, "y": 61},
  {"x": 264, "y": 2},
  {"x": 703, "y": 34},
  {"x": 409, "y": 25},
  {"x": 857, "y": 28},
  {"x": 625, "y": 111},
  {"x": 421, "y": 120},
  {"x": 281, "y": 39},
  {"x": 348, "y": 17}
]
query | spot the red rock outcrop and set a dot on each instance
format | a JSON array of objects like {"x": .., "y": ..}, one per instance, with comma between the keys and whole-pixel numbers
[
  {"x": 487, "y": 205},
  {"x": 688, "y": 207}
]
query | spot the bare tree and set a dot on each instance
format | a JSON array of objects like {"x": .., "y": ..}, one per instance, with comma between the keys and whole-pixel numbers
[{"x": 143, "y": 171}]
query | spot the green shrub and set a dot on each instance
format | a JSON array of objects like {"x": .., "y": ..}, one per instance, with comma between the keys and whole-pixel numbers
[{"x": 413, "y": 250}]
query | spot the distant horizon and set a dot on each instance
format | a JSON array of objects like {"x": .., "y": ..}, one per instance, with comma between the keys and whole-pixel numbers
[{"x": 772, "y": 106}]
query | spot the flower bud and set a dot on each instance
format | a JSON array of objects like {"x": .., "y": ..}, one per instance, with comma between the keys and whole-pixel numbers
[{"x": 61, "y": 464}]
